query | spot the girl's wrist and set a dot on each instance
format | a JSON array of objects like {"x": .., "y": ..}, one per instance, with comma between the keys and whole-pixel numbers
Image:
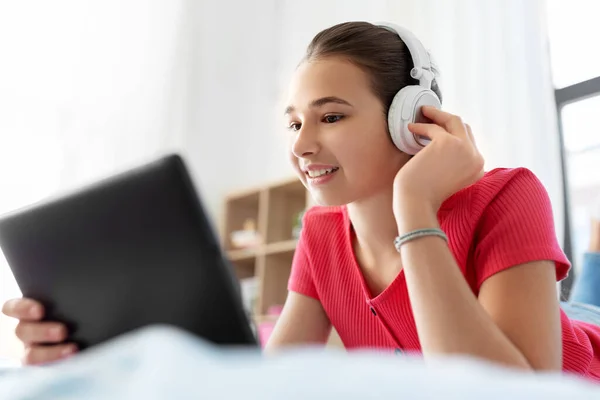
[{"x": 412, "y": 214}]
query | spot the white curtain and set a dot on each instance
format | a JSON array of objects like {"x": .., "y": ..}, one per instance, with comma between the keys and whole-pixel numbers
[{"x": 86, "y": 89}]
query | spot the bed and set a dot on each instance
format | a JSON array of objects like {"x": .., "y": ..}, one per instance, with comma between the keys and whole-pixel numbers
[{"x": 162, "y": 362}]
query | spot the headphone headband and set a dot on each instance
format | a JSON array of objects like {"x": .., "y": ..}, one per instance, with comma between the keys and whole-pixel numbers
[
  {"x": 422, "y": 70},
  {"x": 407, "y": 103}
]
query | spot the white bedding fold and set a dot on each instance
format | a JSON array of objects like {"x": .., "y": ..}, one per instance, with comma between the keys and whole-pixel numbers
[{"x": 166, "y": 363}]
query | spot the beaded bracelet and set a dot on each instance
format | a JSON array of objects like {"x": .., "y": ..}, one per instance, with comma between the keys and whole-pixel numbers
[{"x": 407, "y": 237}]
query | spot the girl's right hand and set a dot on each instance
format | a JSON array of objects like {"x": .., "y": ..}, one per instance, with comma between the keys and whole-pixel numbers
[{"x": 43, "y": 341}]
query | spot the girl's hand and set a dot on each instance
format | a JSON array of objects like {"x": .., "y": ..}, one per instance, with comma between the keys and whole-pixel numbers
[
  {"x": 449, "y": 163},
  {"x": 43, "y": 340}
]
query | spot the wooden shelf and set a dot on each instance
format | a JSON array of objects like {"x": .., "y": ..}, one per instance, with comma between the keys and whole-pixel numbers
[
  {"x": 281, "y": 247},
  {"x": 285, "y": 246},
  {"x": 245, "y": 267},
  {"x": 242, "y": 254},
  {"x": 276, "y": 273},
  {"x": 241, "y": 209},
  {"x": 286, "y": 201},
  {"x": 275, "y": 210}
]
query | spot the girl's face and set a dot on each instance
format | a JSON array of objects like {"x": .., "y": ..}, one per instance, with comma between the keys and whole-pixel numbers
[{"x": 339, "y": 142}]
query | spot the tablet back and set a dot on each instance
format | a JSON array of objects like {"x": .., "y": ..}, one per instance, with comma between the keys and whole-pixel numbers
[{"x": 129, "y": 251}]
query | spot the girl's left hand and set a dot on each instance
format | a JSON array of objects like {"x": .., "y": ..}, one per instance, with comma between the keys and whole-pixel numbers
[{"x": 449, "y": 163}]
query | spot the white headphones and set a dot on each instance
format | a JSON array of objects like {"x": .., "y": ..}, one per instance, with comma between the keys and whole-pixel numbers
[{"x": 407, "y": 103}]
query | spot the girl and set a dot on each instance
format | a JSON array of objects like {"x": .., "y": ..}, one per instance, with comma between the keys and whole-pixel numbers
[{"x": 423, "y": 253}]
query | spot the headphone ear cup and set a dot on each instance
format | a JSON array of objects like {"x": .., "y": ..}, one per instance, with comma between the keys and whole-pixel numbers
[{"x": 406, "y": 109}]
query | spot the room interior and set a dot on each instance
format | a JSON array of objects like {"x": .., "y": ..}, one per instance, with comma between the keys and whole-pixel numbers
[{"x": 91, "y": 88}]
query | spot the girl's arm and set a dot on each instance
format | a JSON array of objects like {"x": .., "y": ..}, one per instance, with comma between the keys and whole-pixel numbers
[
  {"x": 302, "y": 321},
  {"x": 515, "y": 321}
]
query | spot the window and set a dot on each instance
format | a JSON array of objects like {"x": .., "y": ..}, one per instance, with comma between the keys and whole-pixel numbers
[
  {"x": 572, "y": 30},
  {"x": 575, "y": 66}
]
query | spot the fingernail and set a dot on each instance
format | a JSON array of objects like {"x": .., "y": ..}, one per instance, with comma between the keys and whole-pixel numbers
[{"x": 67, "y": 351}]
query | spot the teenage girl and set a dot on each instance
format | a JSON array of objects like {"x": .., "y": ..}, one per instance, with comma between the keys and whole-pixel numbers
[{"x": 414, "y": 247}]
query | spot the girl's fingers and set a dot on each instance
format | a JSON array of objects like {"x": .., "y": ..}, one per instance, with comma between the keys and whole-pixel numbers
[
  {"x": 23, "y": 309},
  {"x": 452, "y": 123},
  {"x": 430, "y": 131},
  {"x": 37, "y": 355},
  {"x": 470, "y": 133},
  {"x": 40, "y": 332}
]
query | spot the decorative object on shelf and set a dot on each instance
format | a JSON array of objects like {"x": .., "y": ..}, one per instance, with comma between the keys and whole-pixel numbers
[
  {"x": 297, "y": 224},
  {"x": 247, "y": 237}
]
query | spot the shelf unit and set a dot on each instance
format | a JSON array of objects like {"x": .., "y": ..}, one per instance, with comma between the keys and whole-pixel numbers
[{"x": 273, "y": 210}]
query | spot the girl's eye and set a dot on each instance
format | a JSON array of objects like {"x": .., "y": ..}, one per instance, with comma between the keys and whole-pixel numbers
[
  {"x": 330, "y": 119},
  {"x": 294, "y": 126}
]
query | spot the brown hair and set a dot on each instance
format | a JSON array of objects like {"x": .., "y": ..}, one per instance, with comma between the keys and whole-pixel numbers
[{"x": 376, "y": 50}]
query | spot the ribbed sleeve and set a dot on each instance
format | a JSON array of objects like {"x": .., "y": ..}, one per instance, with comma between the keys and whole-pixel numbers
[{"x": 517, "y": 227}]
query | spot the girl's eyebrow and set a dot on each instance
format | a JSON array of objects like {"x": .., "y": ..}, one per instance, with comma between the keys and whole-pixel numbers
[{"x": 320, "y": 103}]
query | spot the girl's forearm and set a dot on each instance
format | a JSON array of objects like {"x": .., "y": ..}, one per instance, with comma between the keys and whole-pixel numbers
[{"x": 448, "y": 317}]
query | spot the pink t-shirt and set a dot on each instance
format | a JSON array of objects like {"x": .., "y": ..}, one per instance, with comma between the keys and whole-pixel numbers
[{"x": 503, "y": 220}]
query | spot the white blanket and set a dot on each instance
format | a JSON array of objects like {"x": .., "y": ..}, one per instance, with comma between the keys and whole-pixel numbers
[{"x": 166, "y": 363}]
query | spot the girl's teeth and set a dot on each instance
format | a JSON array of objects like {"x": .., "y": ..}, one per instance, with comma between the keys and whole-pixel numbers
[{"x": 321, "y": 172}]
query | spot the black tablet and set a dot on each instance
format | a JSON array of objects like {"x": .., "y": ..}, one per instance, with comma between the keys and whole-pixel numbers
[{"x": 129, "y": 251}]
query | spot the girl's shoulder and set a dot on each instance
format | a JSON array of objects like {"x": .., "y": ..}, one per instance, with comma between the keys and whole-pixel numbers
[
  {"x": 517, "y": 185},
  {"x": 503, "y": 220},
  {"x": 499, "y": 178}
]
